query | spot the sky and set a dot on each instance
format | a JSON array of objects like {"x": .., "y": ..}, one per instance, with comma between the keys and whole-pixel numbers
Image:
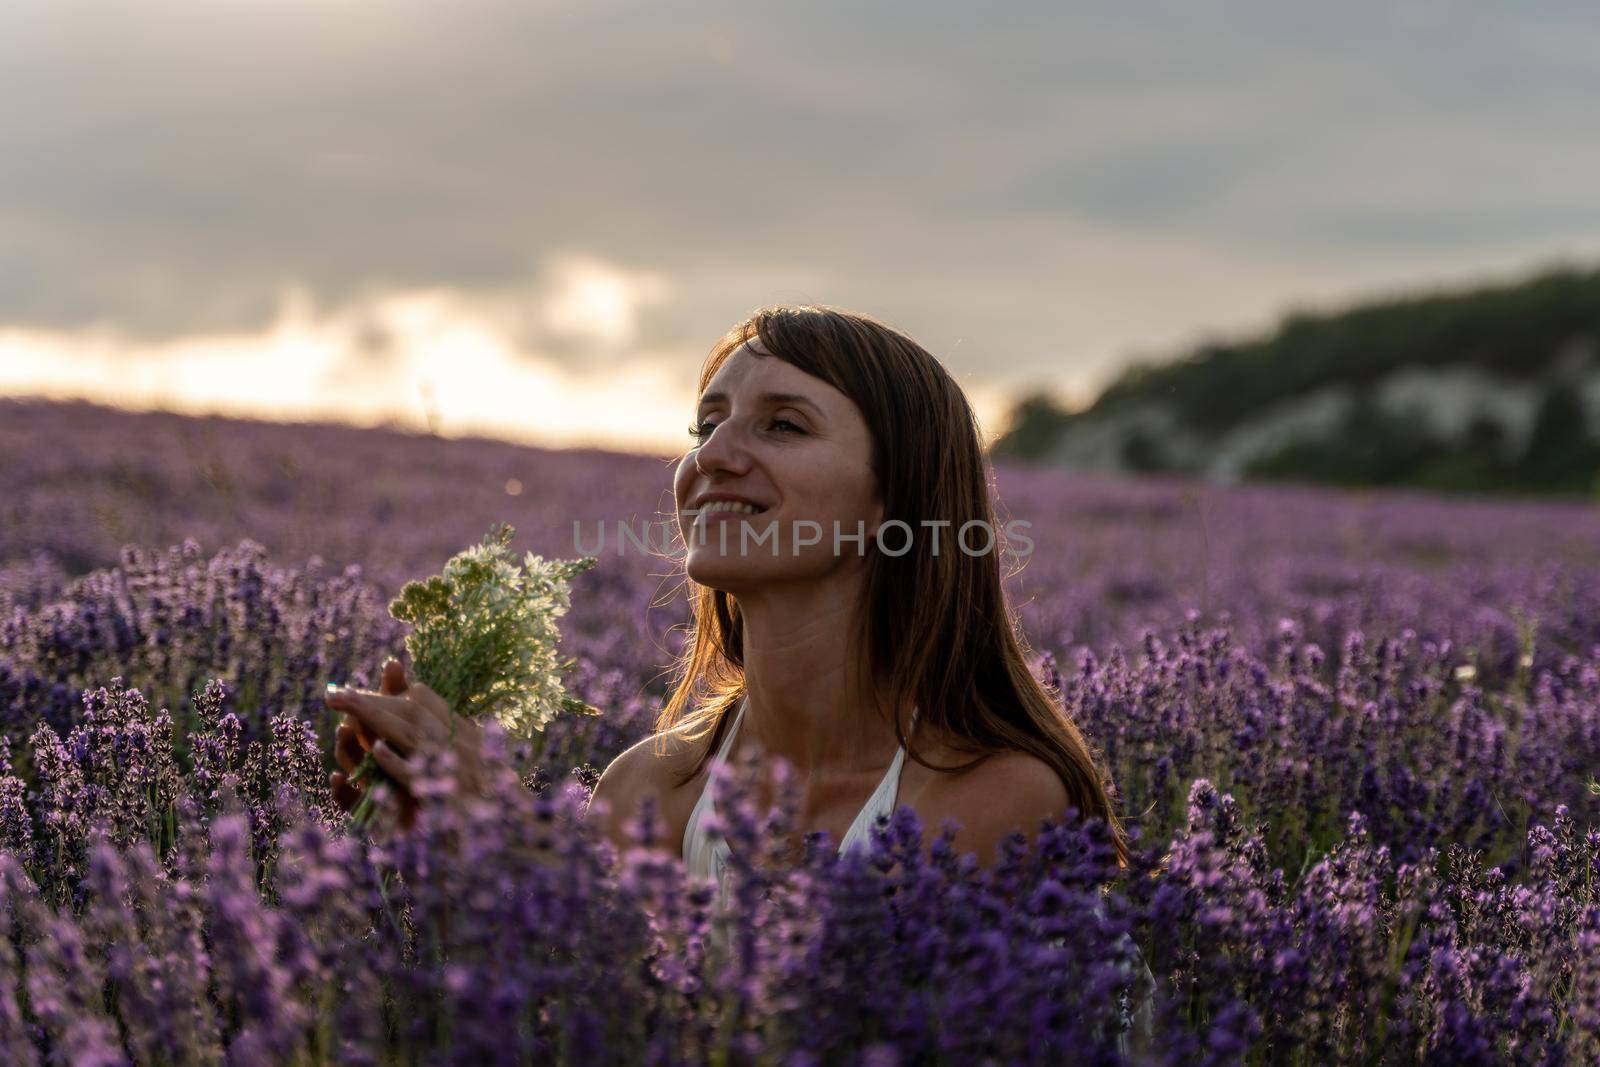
[{"x": 533, "y": 219}]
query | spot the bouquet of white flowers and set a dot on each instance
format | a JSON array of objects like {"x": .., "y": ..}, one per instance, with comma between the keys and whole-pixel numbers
[{"x": 484, "y": 638}]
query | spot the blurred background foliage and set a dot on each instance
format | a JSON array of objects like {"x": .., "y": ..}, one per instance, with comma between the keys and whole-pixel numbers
[{"x": 1514, "y": 403}]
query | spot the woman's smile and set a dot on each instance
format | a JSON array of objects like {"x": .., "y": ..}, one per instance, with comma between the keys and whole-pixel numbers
[{"x": 730, "y": 507}]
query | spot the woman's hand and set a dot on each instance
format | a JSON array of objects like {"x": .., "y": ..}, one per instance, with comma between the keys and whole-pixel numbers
[
  {"x": 399, "y": 720},
  {"x": 352, "y": 742}
]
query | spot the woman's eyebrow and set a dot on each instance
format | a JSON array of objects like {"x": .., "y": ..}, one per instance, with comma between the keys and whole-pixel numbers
[{"x": 769, "y": 398}]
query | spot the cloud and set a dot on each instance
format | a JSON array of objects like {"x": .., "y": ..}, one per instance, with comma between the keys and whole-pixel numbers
[
  {"x": 589, "y": 308},
  {"x": 1037, "y": 192},
  {"x": 433, "y": 359}
]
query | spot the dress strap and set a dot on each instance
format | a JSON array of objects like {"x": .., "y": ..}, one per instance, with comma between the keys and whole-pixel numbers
[{"x": 698, "y": 852}]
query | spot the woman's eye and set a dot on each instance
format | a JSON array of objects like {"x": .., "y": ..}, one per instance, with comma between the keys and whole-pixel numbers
[{"x": 701, "y": 429}]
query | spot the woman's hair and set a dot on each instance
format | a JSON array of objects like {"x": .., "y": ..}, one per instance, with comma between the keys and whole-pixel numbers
[{"x": 937, "y": 632}]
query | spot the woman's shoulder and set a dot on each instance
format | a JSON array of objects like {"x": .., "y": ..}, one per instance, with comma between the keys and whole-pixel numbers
[
  {"x": 1001, "y": 792},
  {"x": 653, "y": 766},
  {"x": 967, "y": 774},
  {"x": 957, "y": 761},
  {"x": 661, "y": 759}
]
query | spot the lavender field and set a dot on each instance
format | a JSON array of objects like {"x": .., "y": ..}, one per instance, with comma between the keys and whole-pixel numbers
[{"x": 1355, "y": 734}]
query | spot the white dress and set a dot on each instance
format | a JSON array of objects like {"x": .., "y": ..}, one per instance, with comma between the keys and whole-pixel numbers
[{"x": 709, "y": 859}]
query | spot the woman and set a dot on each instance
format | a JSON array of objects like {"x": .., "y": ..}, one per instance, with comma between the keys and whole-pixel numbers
[
  {"x": 849, "y": 616},
  {"x": 821, "y": 656}
]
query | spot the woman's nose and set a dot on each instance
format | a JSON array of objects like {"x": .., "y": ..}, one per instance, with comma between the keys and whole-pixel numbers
[{"x": 725, "y": 450}]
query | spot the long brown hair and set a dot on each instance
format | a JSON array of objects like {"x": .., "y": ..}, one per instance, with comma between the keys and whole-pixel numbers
[{"x": 937, "y": 629}]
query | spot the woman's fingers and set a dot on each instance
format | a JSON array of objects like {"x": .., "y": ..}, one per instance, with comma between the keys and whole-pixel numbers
[
  {"x": 429, "y": 701},
  {"x": 347, "y": 747},
  {"x": 384, "y": 716},
  {"x": 393, "y": 720},
  {"x": 363, "y": 735},
  {"x": 345, "y": 795},
  {"x": 393, "y": 680},
  {"x": 391, "y": 762}
]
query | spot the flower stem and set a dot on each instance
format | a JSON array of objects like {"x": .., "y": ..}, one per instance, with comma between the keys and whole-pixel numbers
[{"x": 367, "y": 774}]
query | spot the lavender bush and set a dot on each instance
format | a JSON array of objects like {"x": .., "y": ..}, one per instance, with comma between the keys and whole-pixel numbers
[
  {"x": 1353, "y": 735},
  {"x": 168, "y": 622}
]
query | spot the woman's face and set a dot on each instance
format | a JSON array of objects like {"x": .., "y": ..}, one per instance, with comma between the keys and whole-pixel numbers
[{"x": 795, "y": 446}]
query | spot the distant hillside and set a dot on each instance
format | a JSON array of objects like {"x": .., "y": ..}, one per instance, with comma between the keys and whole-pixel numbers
[{"x": 1489, "y": 388}]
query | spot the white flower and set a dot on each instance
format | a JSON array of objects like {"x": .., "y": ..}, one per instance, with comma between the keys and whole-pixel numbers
[{"x": 484, "y": 634}]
